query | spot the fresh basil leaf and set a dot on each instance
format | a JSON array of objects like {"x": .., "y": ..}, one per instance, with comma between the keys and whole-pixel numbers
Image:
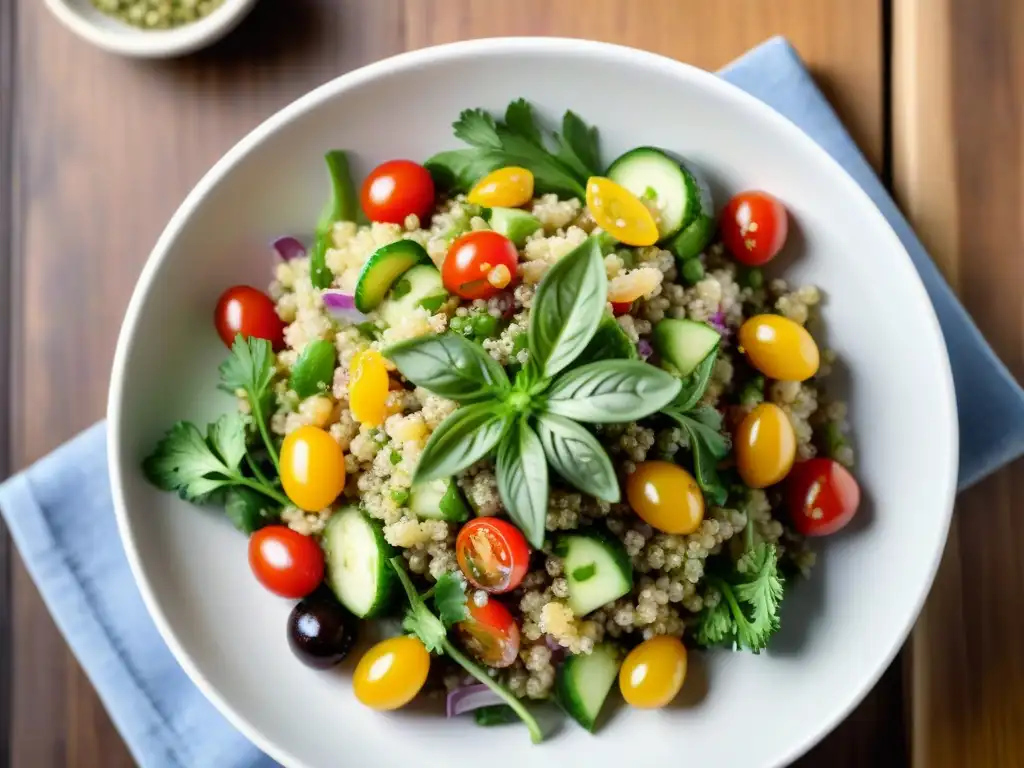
[
  {"x": 457, "y": 170},
  {"x": 610, "y": 342},
  {"x": 581, "y": 140},
  {"x": 314, "y": 369},
  {"x": 449, "y": 366},
  {"x": 477, "y": 127},
  {"x": 519, "y": 119},
  {"x": 611, "y": 392},
  {"x": 247, "y": 510},
  {"x": 462, "y": 439},
  {"x": 577, "y": 456},
  {"x": 523, "y": 481},
  {"x": 696, "y": 384},
  {"x": 567, "y": 309},
  {"x": 708, "y": 446}
]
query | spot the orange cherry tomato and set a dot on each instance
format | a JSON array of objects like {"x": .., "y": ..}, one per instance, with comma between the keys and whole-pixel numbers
[
  {"x": 508, "y": 187},
  {"x": 490, "y": 633},
  {"x": 754, "y": 225},
  {"x": 822, "y": 496},
  {"x": 493, "y": 554},
  {"x": 395, "y": 189},
  {"x": 479, "y": 265},
  {"x": 245, "y": 310},
  {"x": 653, "y": 672},
  {"x": 666, "y": 497},
  {"x": 312, "y": 468},
  {"x": 286, "y": 562},
  {"x": 779, "y": 348},
  {"x": 391, "y": 673},
  {"x": 765, "y": 446}
]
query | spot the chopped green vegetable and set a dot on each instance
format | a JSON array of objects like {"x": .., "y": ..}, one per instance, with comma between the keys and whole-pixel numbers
[
  {"x": 750, "y": 277},
  {"x": 753, "y": 392},
  {"x": 395, "y": 458},
  {"x": 692, "y": 271},
  {"x": 399, "y": 496},
  {"x": 495, "y": 714}
]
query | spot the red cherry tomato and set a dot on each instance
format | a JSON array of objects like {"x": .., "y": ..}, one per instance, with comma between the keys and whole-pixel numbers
[
  {"x": 621, "y": 307},
  {"x": 822, "y": 496},
  {"x": 286, "y": 562},
  {"x": 470, "y": 261},
  {"x": 395, "y": 189},
  {"x": 490, "y": 633},
  {"x": 493, "y": 554},
  {"x": 245, "y": 310},
  {"x": 754, "y": 226}
]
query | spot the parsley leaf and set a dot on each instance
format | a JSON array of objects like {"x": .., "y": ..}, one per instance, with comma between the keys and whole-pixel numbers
[
  {"x": 477, "y": 127},
  {"x": 577, "y": 146},
  {"x": 450, "y": 599},
  {"x": 519, "y": 119},
  {"x": 247, "y": 510},
  {"x": 227, "y": 437},
  {"x": 716, "y": 625},
  {"x": 184, "y": 462},
  {"x": 763, "y": 591},
  {"x": 251, "y": 369}
]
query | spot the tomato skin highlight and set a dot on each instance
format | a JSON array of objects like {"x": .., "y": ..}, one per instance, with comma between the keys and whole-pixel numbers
[
  {"x": 666, "y": 497},
  {"x": 286, "y": 562},
  {"x": 242, "y": 309},
  {"x": 391, "y": 673},
  {"x": 396, "y": 189},
  {"x": 471, "y": 259},
  {"x": 312, "y": 468},
  {"x": 754, "y": 225},
  {"x": 490, "y": 633},
  {"x": 765, "y": 446},
  {"x": 779, "y": 348},
  {"x": 653, "y": 673},
  {"x": 822, "y": 496},
  {"x": 492, "y": 554}
]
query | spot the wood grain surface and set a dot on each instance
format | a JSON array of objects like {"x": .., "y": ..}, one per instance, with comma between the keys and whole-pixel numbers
[
  {"x": 958, "y": 172},
  {"x": 97, "y": 151}
]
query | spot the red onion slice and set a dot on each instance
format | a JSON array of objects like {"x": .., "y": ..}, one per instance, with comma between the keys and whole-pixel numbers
[
  {"x": 470, "y": 697},
  {"x": 341, "y": 305},
  {"x": 644, "y": 349},
  {"x": 289, "y": 248}
]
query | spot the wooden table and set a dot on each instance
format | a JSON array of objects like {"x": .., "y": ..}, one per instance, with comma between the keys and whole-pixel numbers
[{"x": 96, "y": 152}]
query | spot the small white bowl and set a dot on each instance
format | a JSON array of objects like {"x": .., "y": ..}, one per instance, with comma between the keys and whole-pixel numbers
[{"x": 114, "y": 35}]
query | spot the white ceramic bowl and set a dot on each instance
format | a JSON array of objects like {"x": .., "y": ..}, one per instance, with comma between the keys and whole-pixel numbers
[
  {"x": 841, "y": 629},
  {"x": 111, "y": 34}
]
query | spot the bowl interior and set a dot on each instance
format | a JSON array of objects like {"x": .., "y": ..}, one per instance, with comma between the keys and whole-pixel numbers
[{"x": 839, "y": 629}]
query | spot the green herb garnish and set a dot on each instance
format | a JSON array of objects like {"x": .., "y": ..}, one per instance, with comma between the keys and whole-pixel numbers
[
  {"x": 535, "y": 422},
  {"x": 251, "y": 368},
  {"x": 560, "y": 163},
  {"x": 432, "y": 630},
  {"x": 748, "y": 613}
]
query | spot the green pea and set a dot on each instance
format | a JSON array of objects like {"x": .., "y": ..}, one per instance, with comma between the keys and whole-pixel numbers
[
  {"x": 485, "y": 326},
  {"x": 693, "y": 271},
  {"x": 751, "y": 277}
]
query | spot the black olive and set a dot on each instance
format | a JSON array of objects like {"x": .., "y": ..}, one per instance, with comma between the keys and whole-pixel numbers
[{"x": 320, "y": 631}]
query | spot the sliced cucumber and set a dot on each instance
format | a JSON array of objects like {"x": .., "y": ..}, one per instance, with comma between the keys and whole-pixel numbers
[
  {"x": 438, "y": 500},
  {"x": 651, "y": 174},
  {"x": 513, "y": 223},
  {"x": 584, "y": 681},
  {"x": 421, "y": 286},
  {"x": 683, "y": 344},
  {"x": 699, "y": 228},
  {"x": 356, "y": 556},
  {"x": 383, "y": 268},
  {"x": 596, "y": 567}
]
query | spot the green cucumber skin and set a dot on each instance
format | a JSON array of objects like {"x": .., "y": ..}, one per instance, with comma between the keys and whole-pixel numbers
[
  {"x": 613, "y": 549},
  {"x": 379, "y": 274},
  {"x": 673, "y": 339},
  {"x": 568, "y": 695},
  {"x": 388, "y": 585}
]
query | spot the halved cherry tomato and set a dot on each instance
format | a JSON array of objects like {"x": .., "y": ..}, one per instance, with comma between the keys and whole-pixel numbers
[
  {"x": 620, "y": 213},
  {"x": 765, "y": 446},
  {"x": 472, "y": 267},
  {"x": 391, "y": 673},
  {"x": 395, "y": 189},
  {"x": 368, "y": 388},
  {"x": 312, "y": 468},
  {"x": 286, "y": 562},
  {"x": 245, "y": 310},
  {"x": 490, "y": 633},
  {"x": 822, "y": 496},
  {"x": 507, "y": 187},
  {"x": 754, "y": 225},
  {"x": 493, "y": 554}
]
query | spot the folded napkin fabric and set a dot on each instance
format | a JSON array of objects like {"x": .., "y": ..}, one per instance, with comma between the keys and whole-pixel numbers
[{"x": 84, "y": 578}]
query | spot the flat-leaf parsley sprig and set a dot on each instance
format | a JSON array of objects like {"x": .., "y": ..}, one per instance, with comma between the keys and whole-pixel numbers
[
  {"x": 432, "y": 630},
  {"x": 560, "y": 163},
  {"x": 537, "y": 420}
]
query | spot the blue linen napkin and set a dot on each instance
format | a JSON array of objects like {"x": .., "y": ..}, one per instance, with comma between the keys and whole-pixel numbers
[{"x": 86, "y": 583}]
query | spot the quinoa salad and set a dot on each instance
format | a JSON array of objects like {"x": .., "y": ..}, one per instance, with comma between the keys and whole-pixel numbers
[{"x": 544, "y": 417}]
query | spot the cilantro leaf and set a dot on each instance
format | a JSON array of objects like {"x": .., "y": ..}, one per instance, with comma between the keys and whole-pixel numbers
[
  {"x": 764, "y": 588},
  {"x": 184, "y": 462},
  {"x": 716, "y": 626},
  {"x": 477, "y": 127},
  {"x": 519, "y": 119},
  {"x": 450, "y": 599},
  {"x": 418, "y": 620}
]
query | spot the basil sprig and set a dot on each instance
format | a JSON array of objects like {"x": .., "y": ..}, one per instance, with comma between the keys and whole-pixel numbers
[{"x": 534, "y": 421}]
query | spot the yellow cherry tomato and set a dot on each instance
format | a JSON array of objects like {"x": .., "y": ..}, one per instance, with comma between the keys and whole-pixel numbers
[
  {"x": 666, "y": 497},
  {"x": 312, "y": 468},
  {"x": 391, "y": 673},
  {"x": 765, "y": 446},
  {"x": 653, "y": 672},
  {"x": 368, "y": 386},
  {"x": 779, "y": 348},
  {"x": 506, "y": 187},
  {"x": 620, "y": 213}
]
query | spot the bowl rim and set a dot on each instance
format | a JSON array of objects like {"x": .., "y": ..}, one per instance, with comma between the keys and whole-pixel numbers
[
  {"x": 504, "y": 46},
  {"x": 165, "y": 43}
]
